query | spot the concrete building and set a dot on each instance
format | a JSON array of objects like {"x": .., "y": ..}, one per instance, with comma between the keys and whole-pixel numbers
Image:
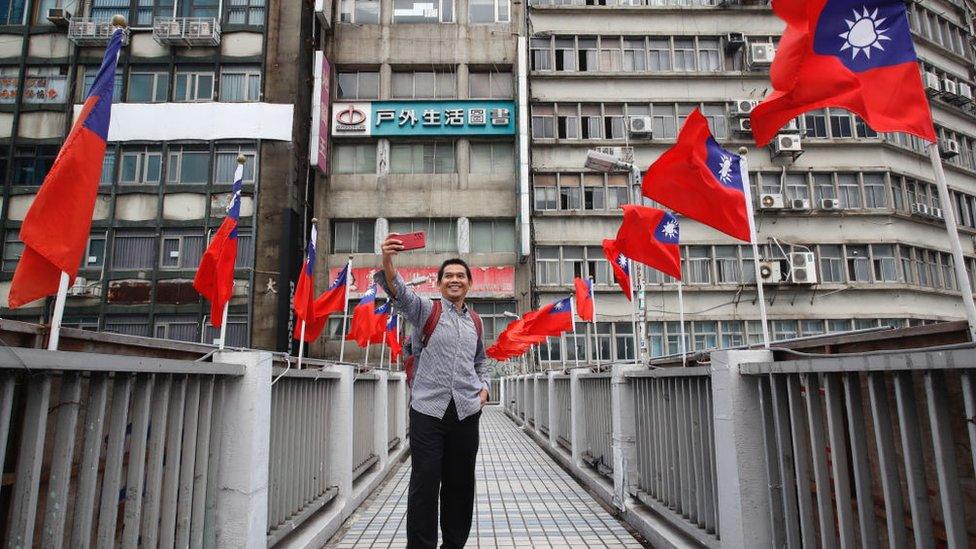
[
  {"x": 849, "y": 221},
  {"x": 199, "y": 83}
]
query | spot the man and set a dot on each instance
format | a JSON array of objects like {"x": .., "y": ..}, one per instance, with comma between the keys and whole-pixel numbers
[{"x": 449, "y": 389}]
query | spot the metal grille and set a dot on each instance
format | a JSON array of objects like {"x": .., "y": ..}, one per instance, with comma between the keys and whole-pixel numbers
[
  {"x": 564, "y": 426},
  {"x": 363, "y": 452},
  {"x": 542, "y": 392},
  {"x": 676, "y": 446},
  {"x": 299, "y": 484},
  {"x": 597, "y": 451},
  {"x": 131, "y": 458}
]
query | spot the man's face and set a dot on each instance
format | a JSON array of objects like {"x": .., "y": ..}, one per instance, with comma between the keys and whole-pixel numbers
[{"x": 455, "y": 283}]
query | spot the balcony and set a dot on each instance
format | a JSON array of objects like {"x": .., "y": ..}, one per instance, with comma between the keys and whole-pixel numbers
[
  {"x": 187, "y": 31},
  {"x": 88, "y": 32},
  {"x": 323, "y": 10}
]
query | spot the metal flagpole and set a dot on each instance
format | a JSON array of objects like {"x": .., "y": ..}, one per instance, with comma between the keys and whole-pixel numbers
[
  {"x": 747, "y": 190},
  {"x": 345, "y": 311},
  {"x": 383, "y": 345},
  {"x": 301, "y": 346},
  {"x": 58, "y": 314},
  {"x": 596, "y": 337},
  {"x": 638, "y": 337},
  {"x": 681, "y": 320},
  {"x": 958, "y": 260},
  {"x": 572, "y": 313},
  {"x": 366, "y": 358},
  {"x": 223, "y": 325}
]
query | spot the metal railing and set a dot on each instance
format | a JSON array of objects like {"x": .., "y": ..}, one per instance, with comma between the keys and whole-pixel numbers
[
  {"x": 364, "y": 455},
  {"x": 395, "y": 409},
  {"x": 110, "y": 450},
  {"x": 676, "y": 445},
  {"x": 530, "y": 382},
  {"x": 494, "y": 391},
  {"x": 299, "y": 483},
  {"x": 598, "y": 432},
  {"x": 542, "y": 395},
  {"x": 564, "y": 425}
]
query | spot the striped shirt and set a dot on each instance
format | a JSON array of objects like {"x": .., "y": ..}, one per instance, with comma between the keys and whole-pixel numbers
[{"x": 453, "y": 363}]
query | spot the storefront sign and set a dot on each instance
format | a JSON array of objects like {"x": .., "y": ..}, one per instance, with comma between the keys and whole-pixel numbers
[
  {"x": 37, "y": 89},
  {"x": 423, "y": 118},
  {"x": 488, "y": 281},
  {"x": 325, "y": 111}
]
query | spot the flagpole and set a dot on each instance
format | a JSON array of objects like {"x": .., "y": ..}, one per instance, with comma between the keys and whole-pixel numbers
[
  {"x": 638, "y": 337},
  {"x": 572, "y": 314},
  {"x": 366, "y": 359},
  {"x": 301, "y": 346},
  {"x": 223, "y": 325},
  {"x": 958, "y": 260},
  {"x": 345, "y": 311},
  {"x": 596, "y": 337},
  {"x": 58, "y": 313},
  {"x": 747, "y": 188},
  {"x": 681, "y": 320},
  {"x": 383, "y": 346}
]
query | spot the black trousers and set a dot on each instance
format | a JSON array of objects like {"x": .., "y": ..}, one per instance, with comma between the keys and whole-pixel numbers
[{"x": 443, "y": 453}]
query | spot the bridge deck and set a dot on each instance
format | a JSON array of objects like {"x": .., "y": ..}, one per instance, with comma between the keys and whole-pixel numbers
[{"x": 524, "y": 500}]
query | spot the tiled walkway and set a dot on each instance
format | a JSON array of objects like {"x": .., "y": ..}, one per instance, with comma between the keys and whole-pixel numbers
[{"x": 524, "y": 500}]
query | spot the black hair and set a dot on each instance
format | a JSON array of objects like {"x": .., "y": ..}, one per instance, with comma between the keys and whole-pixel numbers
[{"x": 453, "y": 261}]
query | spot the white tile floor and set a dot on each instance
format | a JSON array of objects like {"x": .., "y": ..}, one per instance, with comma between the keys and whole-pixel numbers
[{"x": 524, "y": 500}]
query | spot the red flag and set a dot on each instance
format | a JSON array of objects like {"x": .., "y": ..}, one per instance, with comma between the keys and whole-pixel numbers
[
  {"x": 650, "y": 236},
  {"x": 584, "y": 299},
  {"x": 855, "y": 55},
  {"x": 699, "y": 179},
  {"x": 513, "y": 341},
  {"x": 56, "y": 228},
  {"x": 621, "y": 266},
  {"x": 551, "y": 320},
  {"x": 362, "y": 329},
  {"x": 392, "y": 335},
  {"x": 331, "y": 301},
  {"x": 304, "y": 301}
]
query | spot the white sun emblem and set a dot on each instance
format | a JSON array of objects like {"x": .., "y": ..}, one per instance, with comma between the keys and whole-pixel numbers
[
  {"x": 864, "y": 33},
  {"x": 725, "y": 169},
  {"x": 670, "y": 229},
  {"x": 622, "y": 261}
]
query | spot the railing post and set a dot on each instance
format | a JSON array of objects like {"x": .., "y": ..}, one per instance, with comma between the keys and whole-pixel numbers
[
  {"x": 245, "y": 444},
  {"x": 539, "y": 384},
  {"x": 380, "y": 418},
  {"x": 403, "y": 403},
  {"x": 743, "y": 496},
  {"x": 341, "y": 432},
  {"x": 553, "y": 410},
  {"x": 624, "y": 442},
  {"x": 577, "y": 432}
]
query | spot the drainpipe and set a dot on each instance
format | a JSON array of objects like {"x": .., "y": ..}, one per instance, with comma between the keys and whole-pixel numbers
[{"x": 523, "y": 133}]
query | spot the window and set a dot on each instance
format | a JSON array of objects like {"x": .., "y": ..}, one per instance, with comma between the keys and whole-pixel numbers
[
  {"x": 823, "y": 187},
  {"x": 635, "y": 55},
  {"x": 733, "y": 334},
  {"x": 133, "y": 250},
  {"x": 547, "y": 265},
  {"x": 148, "y": 87},
  {"x": 569, "y": 192},
  {"x": 541, "y": 53},
  {"x": 245, "y": 250},
  {"x": 103, "y": 10},
  {"x": 706, "y": 335},
  {"x": 727, "y": 265},
  {"x": 885, "y": 264},
  {"x": 245, "y": 12},
  {"x": 362, "y": 12},
  {"x": 146, "y": 10},
  {"x": 493, "y": 317},
  {"x": 225, "y": 166},
  {"x": 236, "y": 331},
  {"x": 815, "y": 123},
  {"x": 354, "y": 158},
  {"x": 492, "y": 236},
  {"x": 127, "y": 325},
  {"x": 684, "y": 54},
  {"x": 423, "y": 11},
  {"x": 586, "y": 55},
  {"x": 674, "y": 338},
  {"x": 358, "y": 85},
  {"x": 848, "y": 191},
  {"x": 663, "y": 122},
  {"x": 545, "y": 192},
  {"x": 565, "y": 54},
  {"x": 88, "y": 323},
  {"x": 199, "y": 8},
  {"x": 907, "y": 264},
  {"x": 488, "y": 11},
  {"x": 140, "y": 165},
  {"x": 875, "y": 194},
  {"x": 858, "y": 265},
  {"x": 32, "y": 162},
  {"x": 655, "y": 338},
  {"x": 659, "y": 50},
  {"x": 240, "y": 84},
  {"x": 840, "y": 124},
  {"x": 181, "y": 250},
  {"x": 493, "y": 158},
  {"x": 89, "y": 81},
  {"x": 490, "y": 85},
  {"x": 353, "y": 237},
  {"x": 796, "y": 187},
  {"x": 831, "y": 264},
  {"x": 784, "y": 329},
  {"x": 415, "y": 158},
  {"x": 188, "y": 166},
  {"x": 611, "y": 54},
  {"x": 624, "y": 340},
  {"x": 709, "y": 55},
  {"x": 94, "y": 251},
  {"x": 698, "y": 265},
  {"x": 424, "y": 85},
  {"x": 108, "y": 167},
  {"x": 543, "y": 122},
  {"x": 12, "y": 12},
  {"x": 194, "y": 86},
  {"x": 441, "y": 233},
  {"x": 180, "y": 328},
  {"x": 13, "y": 248}
]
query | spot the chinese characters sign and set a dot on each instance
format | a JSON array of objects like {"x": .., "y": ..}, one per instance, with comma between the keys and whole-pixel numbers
[
  {"x": 37, "y": 89},
  {"x": 487, "y": 281},
  {"x": 423, "y": 118}
]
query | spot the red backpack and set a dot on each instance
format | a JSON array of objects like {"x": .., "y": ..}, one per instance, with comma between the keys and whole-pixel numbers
[{"x": 410, "y": 362}]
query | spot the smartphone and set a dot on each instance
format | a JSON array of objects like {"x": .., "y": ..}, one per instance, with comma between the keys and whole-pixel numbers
[{"x": 413, "y": 241}]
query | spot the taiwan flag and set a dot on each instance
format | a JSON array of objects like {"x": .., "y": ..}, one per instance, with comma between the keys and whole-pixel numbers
[
  {"x": 363, "y": 324},
  {"x": 56, "y": 228},
  {"x": 382, "y": 315},
  {"x": 332, "y": 300},
  {"x": 650, "y": 236},
  {"x": 699, "y": 179},
  {"x": 856, "y": 55},
  {"x": 584, "y": 299},
  {"x": 392, "y": 335},
  {"x": 304, "y": 301},
  {"x": 621, "y": 266},
  {"x": 551, "y": 320},
  {"x": 215, "y": 276}
]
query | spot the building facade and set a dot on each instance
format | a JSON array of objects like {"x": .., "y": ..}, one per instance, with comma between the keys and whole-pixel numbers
[
  {"x": 850, "y": 224},
  {"x": 199, "y": 83}
]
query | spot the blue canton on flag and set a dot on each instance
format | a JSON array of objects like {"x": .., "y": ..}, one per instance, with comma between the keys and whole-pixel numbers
[
  {"x": 561, "y": 305},
  {"x": 340, "y": 278},
  {"x": 724, "y": 165},
  {"x": 865, "y": 34},
  {"x": 667, "y": 230}
]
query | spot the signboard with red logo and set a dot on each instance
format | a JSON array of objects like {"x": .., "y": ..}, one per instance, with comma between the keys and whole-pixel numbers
[
  {"x": 37, "y": 89},
  {"x": 488, "y": 281},
  {"x": 424, "y": 118},
  {"x": 325, "y": 112}
]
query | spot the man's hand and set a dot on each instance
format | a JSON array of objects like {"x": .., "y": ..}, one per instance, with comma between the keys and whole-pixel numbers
[
  {"x": 484, "y": 397},
  {"x": 391, "y": 247}
]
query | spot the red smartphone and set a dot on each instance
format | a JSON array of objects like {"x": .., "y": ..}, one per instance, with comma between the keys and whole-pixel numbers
[{"x": 413, "y": 241}]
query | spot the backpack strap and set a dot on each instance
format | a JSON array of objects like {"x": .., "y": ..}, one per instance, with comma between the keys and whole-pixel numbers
[
  {"x": 478, "y": 325},
  {"x": 432, "y": 320}
]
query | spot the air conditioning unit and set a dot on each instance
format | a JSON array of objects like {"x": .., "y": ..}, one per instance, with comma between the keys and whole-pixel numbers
[
  {"x": 761, "y": 54},
  {"x": 743, "y": 107},
  {"x": 771, "y": 272},
  {"x": 919, "y": 208},
  {"x": 639, "y": 125},
  {"x": 79, "y": 288},
  {"x": 948, "y": 148},
  {"x": 744, "y": 125},
  {"x": 771, "y": 201},
  {"x": 949, "y": 87},
  {"x": 803, "y": 267},
  {"x": 831, "y": 204},
  {"x": 734, "y": 41},
  {"x": 800, "y": 204},
  {"x": 932, "y": 85},
  {"x": 965, "y": 92},
  {"x": 935, "y": 213},
  {"x": 59, "y": 16},
  {"x": 623, "y": 154},
  {"x": 787, "y": 143}
]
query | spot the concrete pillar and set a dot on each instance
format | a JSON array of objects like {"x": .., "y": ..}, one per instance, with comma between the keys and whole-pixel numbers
[
  {"x": 740, "y": 460},
  {"x": 245, "y": 443},
  {"x": 553, "y": 410},
  {"x": 540, "y": 384},
  {"x": 578, "y": 422},
  {"x": 624, "y": 441},
  {"x": 381, "y": 404},
  {"x": 341, "y": 432},
  {"x": 403, "y": 414}
]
